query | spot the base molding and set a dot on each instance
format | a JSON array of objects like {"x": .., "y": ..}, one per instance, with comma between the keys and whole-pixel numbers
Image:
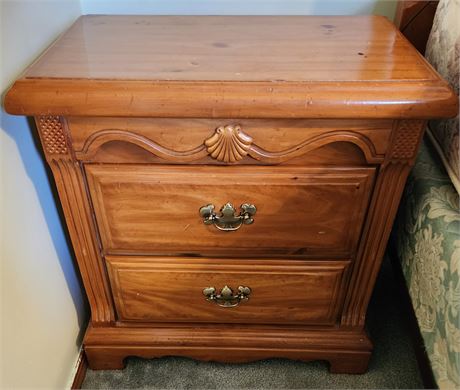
[
  {"x": 82, "y": 366},
  {"x": 347, "y": 351}
]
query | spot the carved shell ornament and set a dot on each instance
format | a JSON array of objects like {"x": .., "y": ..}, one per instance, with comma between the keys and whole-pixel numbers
[{"x": 228, "y": 144}]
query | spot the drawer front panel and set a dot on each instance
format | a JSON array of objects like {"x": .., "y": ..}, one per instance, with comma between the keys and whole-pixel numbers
[
  {"x": 302, "y": 211},
  {"x": 171, "y": 290}
]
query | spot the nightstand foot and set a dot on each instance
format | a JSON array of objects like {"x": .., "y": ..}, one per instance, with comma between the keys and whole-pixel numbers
[
  {"x": 354, "y": 364},
  {"x": 105, "y": 358}
]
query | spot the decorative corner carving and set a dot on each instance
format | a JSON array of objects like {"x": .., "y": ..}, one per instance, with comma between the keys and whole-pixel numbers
[
  {"x": 52, "y": 134},
  {"x": 228, "y": 144},
  {"x": 406, "y": 140}
]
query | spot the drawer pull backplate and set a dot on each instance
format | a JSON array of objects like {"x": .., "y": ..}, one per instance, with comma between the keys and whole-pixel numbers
[
  {"x": 227, "y": 220},
  {"x": 226, "y": 298}
]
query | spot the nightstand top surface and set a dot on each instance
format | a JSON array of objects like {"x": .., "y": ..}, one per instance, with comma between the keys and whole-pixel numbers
[
  {"x": 232, "y": 66},
  {"x": 232, "y": 48}
]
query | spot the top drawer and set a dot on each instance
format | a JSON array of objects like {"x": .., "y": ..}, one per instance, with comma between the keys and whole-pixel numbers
[{"x": 148, "y": 209}]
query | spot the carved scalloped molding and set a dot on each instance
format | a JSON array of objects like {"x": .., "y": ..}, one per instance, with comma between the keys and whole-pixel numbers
[{"x": 229, "y": 145}]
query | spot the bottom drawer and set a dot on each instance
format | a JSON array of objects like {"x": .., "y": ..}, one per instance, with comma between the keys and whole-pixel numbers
[{"x": 147, "y": 289}]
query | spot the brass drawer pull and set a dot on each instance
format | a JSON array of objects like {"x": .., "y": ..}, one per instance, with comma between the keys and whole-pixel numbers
[
  {"x": 227, "y": 220},
  {"x": 226, "y": 297}
]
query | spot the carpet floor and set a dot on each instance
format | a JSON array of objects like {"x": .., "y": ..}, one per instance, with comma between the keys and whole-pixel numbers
[{"x": 393, "y": 364}]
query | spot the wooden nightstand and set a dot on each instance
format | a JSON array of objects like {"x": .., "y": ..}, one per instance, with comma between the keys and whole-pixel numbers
[{"x": 229, "y": 183}]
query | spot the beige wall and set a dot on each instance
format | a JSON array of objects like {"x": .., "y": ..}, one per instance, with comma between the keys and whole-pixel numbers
[
  {"x": 241, "y": 7},
  {"x": 42, "y": 309}
]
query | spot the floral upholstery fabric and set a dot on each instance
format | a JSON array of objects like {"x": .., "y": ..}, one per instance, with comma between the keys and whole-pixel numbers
[
  {"x": 427, "y": 228},
  {"x": 443, "y": 52},
  {"x": 427, "y": 235}
]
